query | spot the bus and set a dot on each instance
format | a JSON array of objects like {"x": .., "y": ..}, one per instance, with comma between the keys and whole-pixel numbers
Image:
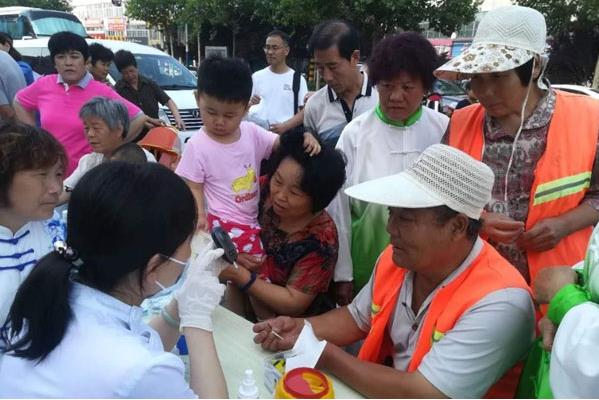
[{"x": 30, "y": 23}]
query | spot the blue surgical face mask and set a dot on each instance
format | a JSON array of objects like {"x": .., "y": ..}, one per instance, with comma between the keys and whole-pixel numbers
[{"x": 164, "y": 290}]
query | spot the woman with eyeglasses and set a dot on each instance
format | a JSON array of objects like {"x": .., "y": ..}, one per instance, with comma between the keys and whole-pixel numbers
[{"x": 75, "y": 328}]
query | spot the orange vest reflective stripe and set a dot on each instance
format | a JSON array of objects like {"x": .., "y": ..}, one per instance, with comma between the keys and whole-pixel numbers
[
  {"x": 562, "y": 175},
  {"x": 488, "y": 272}
]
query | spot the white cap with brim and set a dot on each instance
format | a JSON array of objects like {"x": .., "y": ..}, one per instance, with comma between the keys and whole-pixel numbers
[
  {"x": 506, "y": 38},
  {"x": 442, "y": 175}
]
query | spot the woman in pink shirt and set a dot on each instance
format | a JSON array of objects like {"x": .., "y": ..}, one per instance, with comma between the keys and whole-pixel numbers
[{"x": 58, "y": 98}]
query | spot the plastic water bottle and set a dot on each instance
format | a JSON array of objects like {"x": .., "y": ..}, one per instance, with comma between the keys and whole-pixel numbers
[
  {"x": 247, "y": 388},
  {"x": 181, "y": 349}
]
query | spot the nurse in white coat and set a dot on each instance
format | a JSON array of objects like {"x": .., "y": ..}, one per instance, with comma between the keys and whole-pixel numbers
[{"x": 75, "y": 328}]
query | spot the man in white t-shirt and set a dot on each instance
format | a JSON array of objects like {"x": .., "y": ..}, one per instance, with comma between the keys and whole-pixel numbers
[{"x": 278, "y": 92}]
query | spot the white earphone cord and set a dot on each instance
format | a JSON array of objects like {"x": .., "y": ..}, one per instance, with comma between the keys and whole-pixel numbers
[{"x": 509, "y": 164}]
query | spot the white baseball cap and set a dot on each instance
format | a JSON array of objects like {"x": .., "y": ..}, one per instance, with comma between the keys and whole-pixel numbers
[
  {"x": 506, "y": 38},
  {"x": 442, "y": 175}
]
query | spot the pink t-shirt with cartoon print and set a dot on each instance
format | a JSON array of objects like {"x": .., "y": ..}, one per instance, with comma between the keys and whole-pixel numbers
[{"x": 229, "y": 172}]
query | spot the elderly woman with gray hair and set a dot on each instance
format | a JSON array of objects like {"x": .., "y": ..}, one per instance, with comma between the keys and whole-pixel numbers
[{"x": 106, "y": 122}]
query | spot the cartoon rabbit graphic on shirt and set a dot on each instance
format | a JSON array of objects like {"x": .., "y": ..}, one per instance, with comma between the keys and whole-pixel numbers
[{"x": 245, "y": 183}]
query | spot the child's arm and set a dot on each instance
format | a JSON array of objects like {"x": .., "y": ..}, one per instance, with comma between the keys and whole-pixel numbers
[{"x": 198, "y": 193}]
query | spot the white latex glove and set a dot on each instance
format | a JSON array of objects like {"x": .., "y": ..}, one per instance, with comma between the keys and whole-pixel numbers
[
  {"x": 201, "y": 245},
  {"x": 200, "y": 293}
]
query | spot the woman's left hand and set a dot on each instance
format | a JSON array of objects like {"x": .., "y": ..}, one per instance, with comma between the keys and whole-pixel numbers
[
  {"x": 311, "y": 144},
  {"x": 250, "y": 262},
  {"x": 545, "y": 235}
]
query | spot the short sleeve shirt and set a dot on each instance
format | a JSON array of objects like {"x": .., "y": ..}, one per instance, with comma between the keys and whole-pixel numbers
[
  {"x": 11, "y": 79},
  {"x": 229, "y": 172},
  {"x": 20, "y": 251},
  {"x": 276, "y": 94},
  {"x": 90, "y": 161},
  {"x": 147, "y": 96},
  {"x": 59, "y": 105},
  {"x": 304, "y": 260},
  {"x": 485, "y": 342},
  {"x": 326, "y": 114}
]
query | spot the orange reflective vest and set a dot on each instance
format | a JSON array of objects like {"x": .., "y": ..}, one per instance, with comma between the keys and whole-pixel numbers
[
  {"x": 488, "y": 272},
  {"x": 562, "y": 175}
]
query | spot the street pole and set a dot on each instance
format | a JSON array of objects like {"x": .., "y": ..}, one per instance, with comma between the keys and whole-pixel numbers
[
  {"x": 199, "y": 47},
  {"x": 186, "y": 47}
]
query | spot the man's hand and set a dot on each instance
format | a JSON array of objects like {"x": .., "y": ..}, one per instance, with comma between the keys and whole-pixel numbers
[
  {"x": 550, "y": 280},
  {"x": 344, "y": 293},
  {"x": 255, "y": 99},
  {"x": 286, "y": 327},
  {"x": 180, "y": 124},
  {"x": 501, "y": 228},
  {"x": 279, "y": 129},
  {"x": 250, "y": 262},
  {"x": 311, "y": 144},
  {"x": 547, "y": 330},
  {"x": 545, "y": 235}
]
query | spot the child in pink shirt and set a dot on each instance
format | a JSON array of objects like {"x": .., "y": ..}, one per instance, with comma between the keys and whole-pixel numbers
[{"x": 221, "y": 163}]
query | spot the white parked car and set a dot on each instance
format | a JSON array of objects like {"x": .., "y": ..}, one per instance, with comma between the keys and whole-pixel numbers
[
  {"x": 29, "y": 22},
  {"x": 587, "y": 91},
  {"x": 167, "y": 72}
]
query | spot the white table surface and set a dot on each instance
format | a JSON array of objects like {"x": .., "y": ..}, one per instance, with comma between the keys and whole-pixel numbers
[{"x": 237, "y": 352}]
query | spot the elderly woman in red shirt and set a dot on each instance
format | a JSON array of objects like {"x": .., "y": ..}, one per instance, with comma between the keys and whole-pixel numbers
[{"x": 299, "y": 236}]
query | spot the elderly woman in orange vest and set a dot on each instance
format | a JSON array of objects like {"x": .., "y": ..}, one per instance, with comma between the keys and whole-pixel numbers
[
  {"x": 540, "y": 143},
  {"x": 443, "y": 315}
]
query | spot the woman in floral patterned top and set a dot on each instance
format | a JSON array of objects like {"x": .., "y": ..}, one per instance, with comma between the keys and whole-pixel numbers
[{"x": 299, "y": 237}]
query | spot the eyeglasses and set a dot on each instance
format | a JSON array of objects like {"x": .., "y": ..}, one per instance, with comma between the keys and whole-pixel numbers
[{"x": 273, "y": 48}]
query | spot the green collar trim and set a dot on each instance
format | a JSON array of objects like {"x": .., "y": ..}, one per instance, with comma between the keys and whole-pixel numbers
[{"x": 411, "y": 120}]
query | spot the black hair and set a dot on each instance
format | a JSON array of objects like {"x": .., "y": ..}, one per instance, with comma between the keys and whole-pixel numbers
[
  {"x": 226, "y": 79},
  {"x": 100, "y": 53},
  {"x": 524, "y": 72},
  {"x": 131, "y": 153},
  {"x": 284, "y": 37},
  {"x": 445, "y": 213},
  {"x": 323, "y": 174},
  {"x": 407, "y": 52},
  {"x": 63, "y": 42},
  {"x": 120, "y": 216},
  {"x": 335, "y": 33},
  {"x": 6, "y": 38},
  {"x": 24, "y": 147},
  {"x": 124, "y": 59}
]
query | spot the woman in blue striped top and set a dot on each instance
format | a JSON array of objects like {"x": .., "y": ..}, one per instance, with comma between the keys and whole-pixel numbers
[{"x": 32, "y": 164}]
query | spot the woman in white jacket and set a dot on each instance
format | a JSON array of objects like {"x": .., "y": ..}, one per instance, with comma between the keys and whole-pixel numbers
[{"x": 75, "y": 328}]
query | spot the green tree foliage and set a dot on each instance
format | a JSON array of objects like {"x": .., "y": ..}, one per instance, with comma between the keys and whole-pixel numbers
[
  {"x": 60, "y": 5},
  {"x": 573, "y": 26},
  {"x": 372, "y": 17},
  {"x": 158, "y": 13},
  {"x": 232, "y": 15}
]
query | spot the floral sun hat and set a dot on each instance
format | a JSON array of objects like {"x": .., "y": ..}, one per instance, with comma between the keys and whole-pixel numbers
[{"x": 506, "y": 38}]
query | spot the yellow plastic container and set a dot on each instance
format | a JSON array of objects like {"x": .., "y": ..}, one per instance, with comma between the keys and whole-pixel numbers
[{"x": 304, "y": 383}]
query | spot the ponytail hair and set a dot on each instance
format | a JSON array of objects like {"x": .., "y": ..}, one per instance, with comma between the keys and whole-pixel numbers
[
  {"x": 41, "y": 308},
  {"x": 120, "y": 216}
]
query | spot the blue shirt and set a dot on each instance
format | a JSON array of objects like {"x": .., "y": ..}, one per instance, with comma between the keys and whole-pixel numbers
[{"x": 20, "y": 251}]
